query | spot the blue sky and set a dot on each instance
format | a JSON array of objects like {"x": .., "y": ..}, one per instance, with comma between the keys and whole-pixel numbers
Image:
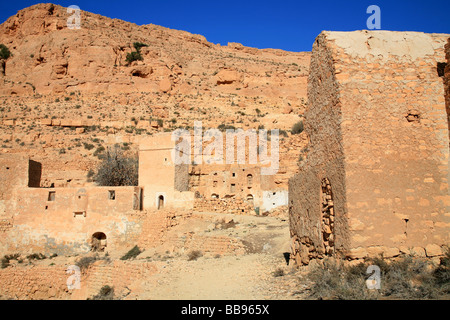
[{"x": 289, "y": 25}]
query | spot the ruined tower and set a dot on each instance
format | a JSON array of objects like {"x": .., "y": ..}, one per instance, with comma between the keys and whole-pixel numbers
[{"x": 376, "y": 176}]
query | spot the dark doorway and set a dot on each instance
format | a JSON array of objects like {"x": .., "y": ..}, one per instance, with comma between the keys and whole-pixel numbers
[
  {"x": 160, "y": 202},
  {"x": 98, "y": 242}
]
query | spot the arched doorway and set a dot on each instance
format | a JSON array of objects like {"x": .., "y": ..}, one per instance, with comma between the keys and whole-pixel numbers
[
  {"x": 328, "y": 218},
  {"x": 160, "y": 202},
  {"x": 249, "y": 180},
  {"x": 98, "y": 242}
]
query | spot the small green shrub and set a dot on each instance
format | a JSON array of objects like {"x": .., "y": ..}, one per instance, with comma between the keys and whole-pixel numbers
[
  {"x": 4, "y": 52},
  {"x": 36, "y": 256},
  {"x": 134, "y": 56},
  {"x": 298, "y": 128},
  {"x": 85, "y": 262},
  {"x": 278, "y": 273},
  {"x": 117, "y": 170},
  {"x": 105, "y": 293},
  {"x": 194, "y": 255},
  {"x": 7, "y": 258},
  {"x": 88, "y": 146},
  {"x": 225, "y": 127},
  {"x": 133, "y": 253},
  {"x": 408, "y": 278},
  {"x": 139, "y": 45}
]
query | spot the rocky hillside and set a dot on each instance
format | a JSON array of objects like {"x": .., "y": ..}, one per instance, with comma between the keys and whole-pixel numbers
[{"x": 65, "y": 94}]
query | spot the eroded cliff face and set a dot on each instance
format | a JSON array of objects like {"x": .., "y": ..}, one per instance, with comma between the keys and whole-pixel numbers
[
  {"x": 67, "y": 93},
  {"x": 55, "y": 59}
]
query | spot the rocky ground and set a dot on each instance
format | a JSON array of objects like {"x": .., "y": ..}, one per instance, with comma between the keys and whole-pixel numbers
[{"x": 261, "y": 273}]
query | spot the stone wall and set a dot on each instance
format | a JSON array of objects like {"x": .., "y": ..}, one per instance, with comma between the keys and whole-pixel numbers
[
  {"x": 228, "y": 205},
  {"x": 50, "y": 282},
  {"x": 37, "y": 283},
  {"x": 447, "y": 79},
  {"x": 379, "y": 141},
  {"x": 123, "y": 276},
  {"x": 324, "y": 160},
  {"x": 63, "y": 220}
]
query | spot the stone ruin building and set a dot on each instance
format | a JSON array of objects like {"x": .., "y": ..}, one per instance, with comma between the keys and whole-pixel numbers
[
  {"x": 375, "y": 180},
  {"x": 71, "y": 220}
]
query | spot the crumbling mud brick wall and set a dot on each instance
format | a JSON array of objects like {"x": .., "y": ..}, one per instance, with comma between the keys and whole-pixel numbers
[
  {"x": 123, "y": 276},
  {"x": 375, "y": 179},
  {"x": 13, "y": 174},
  {"x": 229, "y": 205},
  {"x": 447, "y": 80},
  {"x": 37, "y": 283},
  {"x": 50, "y": 282}
]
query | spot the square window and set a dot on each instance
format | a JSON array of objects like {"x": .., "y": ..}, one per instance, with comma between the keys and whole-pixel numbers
[
  {"x": 112, "y": 195},
  {"x": 51, "y": 196}
]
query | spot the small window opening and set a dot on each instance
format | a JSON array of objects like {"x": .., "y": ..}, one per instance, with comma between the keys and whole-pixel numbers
[
  {"x": 51, "y": 196},
  {"x": 160, "y": 202},
  {"x": 249, "y": 180},
  {"x": 441, "y": 68},
  {"x": 413, "y": 116},
  {"x": 112, "y": 195}
]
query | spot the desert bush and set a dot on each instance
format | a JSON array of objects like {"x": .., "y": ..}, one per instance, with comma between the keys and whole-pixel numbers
[
  {"x": 36, "y": 256},
  {"x": 133, "y": 253},
  {"x": 85, "y": 262},
  {"x": 194, "y": 255},
  {"x": 297, "y": 128},
  {"x": 442, "y": 273},
  {"x": 408, "y": 278},
  {"x": 116, "y": 170},
  {"x": 105, "y": 293},
  {"x": 4, "y": 52},
  {"x": 225, "y": 127},
  {"x": 278, "y": 273},
  {"x": 139, "y": 45},
  {"x": 7, "y": 258},
  {"x": 88, "y": 146},
  {"x": 134, "y": 56},
  {"x": 333, "y": 280}
]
